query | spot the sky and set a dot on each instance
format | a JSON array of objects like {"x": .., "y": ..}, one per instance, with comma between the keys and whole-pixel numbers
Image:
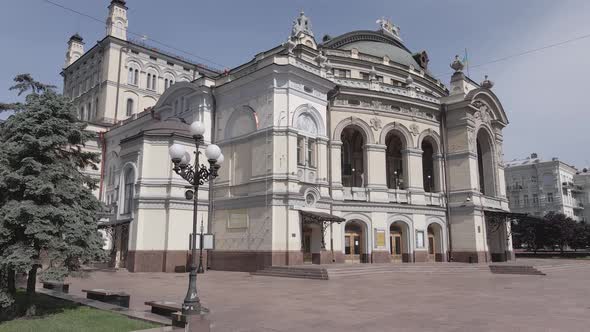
[{"x": 544, "y": 93}]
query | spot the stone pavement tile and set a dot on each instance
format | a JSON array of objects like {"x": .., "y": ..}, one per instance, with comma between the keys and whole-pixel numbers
[{"x": 382, "y": 302}]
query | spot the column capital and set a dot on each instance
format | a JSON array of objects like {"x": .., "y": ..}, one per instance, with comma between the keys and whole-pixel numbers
[
  {"x": 412, "y": 152},
  {"x": 375, "y": 147}
]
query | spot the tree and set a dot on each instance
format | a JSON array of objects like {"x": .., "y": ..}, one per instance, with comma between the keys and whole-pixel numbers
[
  {"x": 46, "y": 204},
  {"x": 24, "y": 83},
  {"x": 580, "y": 237},
  {"x": 560, "y": 229}
]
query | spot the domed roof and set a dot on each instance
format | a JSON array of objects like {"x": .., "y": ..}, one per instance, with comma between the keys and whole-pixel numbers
[{"x": 375, "y": 43}]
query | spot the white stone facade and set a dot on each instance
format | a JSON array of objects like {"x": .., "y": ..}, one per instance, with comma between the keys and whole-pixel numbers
[{"x": 355, "y": 128}]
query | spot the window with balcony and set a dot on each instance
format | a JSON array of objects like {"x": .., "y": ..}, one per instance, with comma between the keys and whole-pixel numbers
[
  {"x": 394, "y": 160},
  {"x": 352, "y": 157},
  {"x": 549, "y": 197}
]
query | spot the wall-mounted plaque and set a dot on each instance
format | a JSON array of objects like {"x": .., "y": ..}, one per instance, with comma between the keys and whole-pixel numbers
[
  {"x": 237, "y": 219},
  {"x": 379, "y": 238}
]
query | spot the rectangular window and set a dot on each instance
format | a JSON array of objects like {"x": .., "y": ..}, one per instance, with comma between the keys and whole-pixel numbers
[
  {"x": 365, "y": 76},
  {"x": 550, "y": 197},
  {"x": 311, "y": 159},
  {"x": 535, "y": 199},
  {"x": 379, "y": 78},
  {"x": 300, "y": 150},
  {"x": 344, "y": 73},
  {"x": 526, "y": 200}
]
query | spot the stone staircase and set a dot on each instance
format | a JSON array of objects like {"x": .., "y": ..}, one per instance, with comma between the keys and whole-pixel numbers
[
  {"x": 515, "y": 269},
  {"x": 293, "y": 272},
  {"x": 431, "y": 269},
  {"x": 335, "y": 271}
]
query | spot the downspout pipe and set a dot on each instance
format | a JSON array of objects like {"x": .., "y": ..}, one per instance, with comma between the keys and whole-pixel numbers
[
  {"x": 102, "y": 140},
  {"x": 444, "y": 138}
]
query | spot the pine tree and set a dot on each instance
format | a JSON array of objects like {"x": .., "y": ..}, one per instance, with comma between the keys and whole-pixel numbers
[{"x": 46, "y": 203}]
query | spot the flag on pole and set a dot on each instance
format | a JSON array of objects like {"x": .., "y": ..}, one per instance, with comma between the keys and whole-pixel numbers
[{"x": 466, "y": 62}]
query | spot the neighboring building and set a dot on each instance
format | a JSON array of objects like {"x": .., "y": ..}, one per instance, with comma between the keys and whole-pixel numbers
[
  {"x": 536, "y": 187},
  {"x": 334, "y": 153},
  {"x": 582, "y": 181},
  {"x": 118, "y": 77}
]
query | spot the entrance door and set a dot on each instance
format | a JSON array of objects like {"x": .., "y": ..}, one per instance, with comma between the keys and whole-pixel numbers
[
  {"x": 431, "y": 248},
  {"x": 124, "y": 245},
  {"x": 352, "y": 247},
  {"x": 307, "y": 246},
  {"x": 395, "y": 246}
]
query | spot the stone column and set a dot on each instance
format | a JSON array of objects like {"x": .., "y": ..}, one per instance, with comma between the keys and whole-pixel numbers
[
  {"x": 413, "y": 181},
  {"x": 335, "y": 155},
  {"x": 438, "y": 173},
  {"x": 376, "y": 173}
]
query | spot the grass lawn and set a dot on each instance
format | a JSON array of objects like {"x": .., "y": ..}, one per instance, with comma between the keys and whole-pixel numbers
[{"x": 59, "y": 315}]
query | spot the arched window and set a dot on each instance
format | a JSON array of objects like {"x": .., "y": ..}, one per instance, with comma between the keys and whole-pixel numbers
[
  {"x": 136, "y": 76},
  {"x": 129, "y": 107},
  {"x": 154, "y": 82},
  {"x": 96, "y": 107},
  {"x": 428, "y": 166},
  {"x": 148, "y": 82},
  {"x": 82, "y": 113},
  {"x": 90, "y": 111},
  {"x": 130, "y": 79},
  {"x": 128, "y": 191},
  {"x": 352, "y": 157},
  {"x": 394, "y": 161},
  {"x": 485, "y": 163},
  {"x": 306, "y": 140},
  {"x": 119, "y": 29}
]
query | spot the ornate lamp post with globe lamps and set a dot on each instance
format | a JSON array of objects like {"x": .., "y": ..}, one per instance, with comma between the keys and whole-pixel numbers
[{"x": 196, "y": 175}]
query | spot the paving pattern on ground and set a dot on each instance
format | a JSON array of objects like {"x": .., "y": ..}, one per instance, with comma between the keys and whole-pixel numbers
[{"x": 424, "y": 299}]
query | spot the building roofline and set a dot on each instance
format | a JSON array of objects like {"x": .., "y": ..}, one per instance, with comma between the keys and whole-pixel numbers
[{"x": 209, "y": 72}]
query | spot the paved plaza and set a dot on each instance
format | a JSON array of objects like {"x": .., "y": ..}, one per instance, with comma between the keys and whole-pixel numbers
[{"x": 397, "y": 301}]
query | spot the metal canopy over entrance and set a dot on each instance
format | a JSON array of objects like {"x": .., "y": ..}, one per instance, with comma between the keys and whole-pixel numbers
[{"x": 313, "y": 228}]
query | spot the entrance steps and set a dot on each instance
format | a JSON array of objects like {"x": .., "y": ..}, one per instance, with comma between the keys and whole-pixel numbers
[
  {"x": 334, "y": 271},
  {"x": 373, "y": 269},
  {"x": 293, "y": 272},
  {"x": 515, "y": 269}
]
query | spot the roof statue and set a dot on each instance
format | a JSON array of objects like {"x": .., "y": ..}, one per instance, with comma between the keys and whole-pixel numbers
[
  {"x": 389, "y": 28},
  {"x": 487, "y": 84},
  {"x": 302, "y": 24},
  {"x": 457, "y": 65}
]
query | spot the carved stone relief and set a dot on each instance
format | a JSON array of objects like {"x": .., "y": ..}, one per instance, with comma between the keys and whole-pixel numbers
[
  {"x": 471, "y": 139},
  {"x": 376, "y": 124},
  {"x": 414, "y": 129}
]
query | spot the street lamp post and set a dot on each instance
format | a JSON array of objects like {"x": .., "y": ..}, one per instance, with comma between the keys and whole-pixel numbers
[{"x": 196, "y": 174}]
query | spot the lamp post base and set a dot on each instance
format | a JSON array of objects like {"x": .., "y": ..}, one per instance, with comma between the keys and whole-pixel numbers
[{"x": 196, "y": 322}]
